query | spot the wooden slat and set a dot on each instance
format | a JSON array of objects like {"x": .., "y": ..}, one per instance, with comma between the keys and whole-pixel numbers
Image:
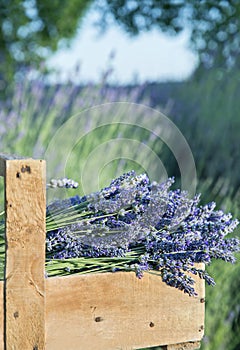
[
  {"x": 24, "y": 290},
  {"x": 183, "y": 346},
  {"x": 119, "y": 311}
]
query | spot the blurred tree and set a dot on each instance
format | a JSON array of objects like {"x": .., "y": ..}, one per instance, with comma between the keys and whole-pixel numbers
[
  {"x": 31, "y": 29},
  {"x": 213, "y": 24}
]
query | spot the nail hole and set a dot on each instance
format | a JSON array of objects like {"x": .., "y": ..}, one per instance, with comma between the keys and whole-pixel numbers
[
  {"x": 16, "y": 314},
  {"x": 35, "y": 347},
  {"x": 18, "y": 175},
  {"x": 98, "y": 319},
  {"x": 202, "y": 300},
  {"x": 26, "y": 168},
  {"x": 151, "y": 324}
]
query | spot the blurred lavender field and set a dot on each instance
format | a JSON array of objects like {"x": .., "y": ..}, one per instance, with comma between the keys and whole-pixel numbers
[{"x": 207, "y": 113}]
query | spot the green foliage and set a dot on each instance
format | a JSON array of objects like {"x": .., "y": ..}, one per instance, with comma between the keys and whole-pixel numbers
[
  {"x": 30, "y": 30},
  {"x": 206, "y": 112},
  {"x": 214, "y": 25},
  {"x": 222, "y": 309}
]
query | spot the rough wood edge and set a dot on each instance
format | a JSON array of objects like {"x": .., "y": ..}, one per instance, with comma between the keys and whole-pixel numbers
[
  {"x": 183, "y": 346},
  {"x": 5, "y": 157}
]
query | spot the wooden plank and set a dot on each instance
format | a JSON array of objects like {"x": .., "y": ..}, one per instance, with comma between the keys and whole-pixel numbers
[
  {"x": 24, "y": 290},
  {"x": 119, "y": 311},
  {"x": 183, "y": 346}
]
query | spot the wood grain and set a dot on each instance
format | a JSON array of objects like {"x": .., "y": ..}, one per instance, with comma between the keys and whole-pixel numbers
[
  {"x": 24, "y": 291},
  {"x": 118, "y": 311}
]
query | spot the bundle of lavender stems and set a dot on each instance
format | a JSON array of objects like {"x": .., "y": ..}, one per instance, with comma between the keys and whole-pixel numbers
[{"x": 141, "y": 226}]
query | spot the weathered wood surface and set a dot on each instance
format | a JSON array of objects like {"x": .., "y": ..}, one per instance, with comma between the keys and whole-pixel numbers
[
  {"x": 88, "y": 320},
  {"x": 118, "y": 311},
  {"x": 24, "y": 290},
  {"x": 183, "y": 346}
]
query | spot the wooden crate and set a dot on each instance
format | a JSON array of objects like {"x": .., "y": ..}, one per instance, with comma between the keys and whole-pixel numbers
[{"x": 92, "y": 312}]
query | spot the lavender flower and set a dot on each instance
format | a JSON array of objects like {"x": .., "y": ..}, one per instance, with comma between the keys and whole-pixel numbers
[
  {"x": 64, "y": 182},
  {"x": 141, "y": 226}
]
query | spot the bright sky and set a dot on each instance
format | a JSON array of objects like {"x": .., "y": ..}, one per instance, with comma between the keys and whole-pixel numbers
[{"x": 150, "y": 56}]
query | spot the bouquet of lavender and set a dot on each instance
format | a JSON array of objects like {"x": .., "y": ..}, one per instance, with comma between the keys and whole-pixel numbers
[{"x": 136, "y": 225}]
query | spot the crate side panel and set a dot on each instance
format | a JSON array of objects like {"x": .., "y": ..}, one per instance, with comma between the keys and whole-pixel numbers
[
  {"x": 119, "y": 311},
  {"x": 25, "y": 191}
]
